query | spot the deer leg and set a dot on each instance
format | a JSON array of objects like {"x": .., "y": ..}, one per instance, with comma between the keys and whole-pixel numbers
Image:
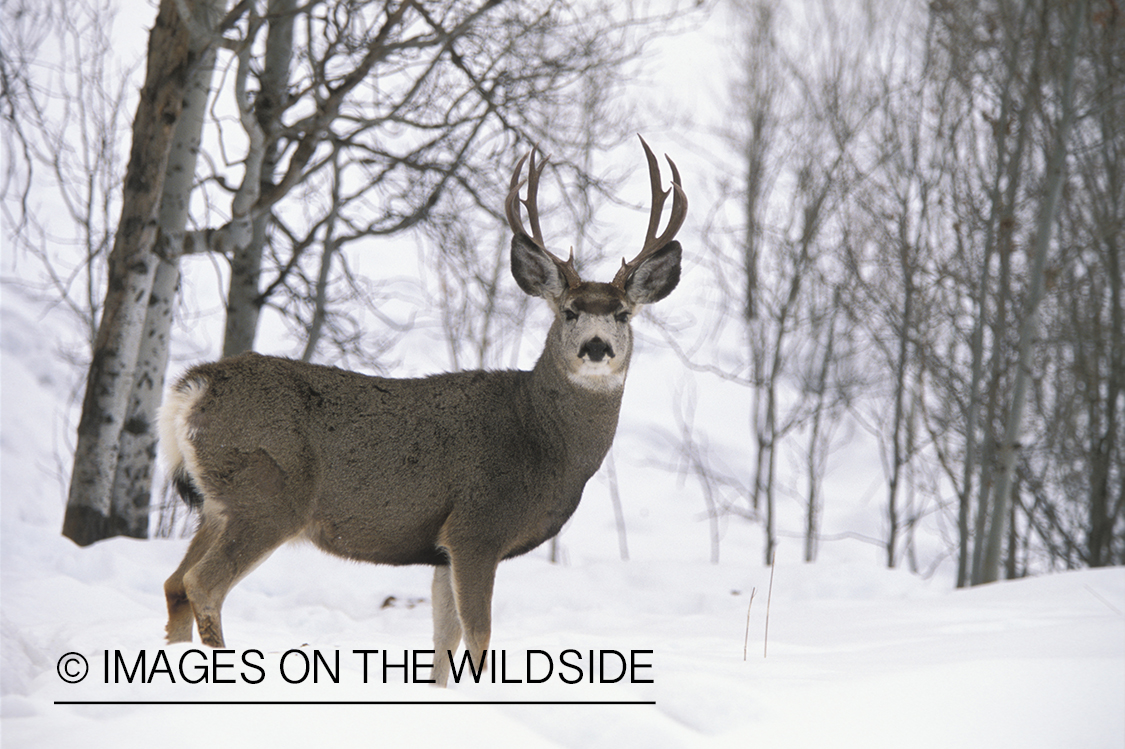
[
  {"x": 179, "y": 607},
  {"x": 472, "y": 576},
  {"x": 262, "y": 507},
  {"x": 447, "y": 627},
  {"x": 237, "y": 550}
]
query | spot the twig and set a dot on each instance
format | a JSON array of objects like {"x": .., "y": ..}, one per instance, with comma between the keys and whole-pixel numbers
[
  {"x": 746, "y": 640},
  {"x": 1101, "y": 598},
  {"x": 769, "y": 597}
]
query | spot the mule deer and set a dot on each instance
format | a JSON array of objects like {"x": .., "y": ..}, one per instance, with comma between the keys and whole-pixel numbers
[{"x": 458, "y": 470}]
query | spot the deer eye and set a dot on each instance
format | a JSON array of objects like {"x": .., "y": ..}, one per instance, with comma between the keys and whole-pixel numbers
[
  {"x": 570, "y": 315},
  {"x": 622, "y": 317}
]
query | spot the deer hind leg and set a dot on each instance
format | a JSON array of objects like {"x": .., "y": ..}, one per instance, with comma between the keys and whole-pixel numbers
[
  {"x": 238, "y": 547},
  {"x": 180, "y": 615},
  {"x": 261, "y": 508},
  {"x": 472, "y": 576}
]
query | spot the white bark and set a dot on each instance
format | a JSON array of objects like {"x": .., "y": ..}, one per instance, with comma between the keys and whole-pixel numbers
[
  {"x": 132, "y": 267},
  {"x": 1009, "y": 448},
  {"x": 132, "y": 486}
]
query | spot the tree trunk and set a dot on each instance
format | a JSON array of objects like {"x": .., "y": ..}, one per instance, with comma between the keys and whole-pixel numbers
[
  {"x": 320, "y": 293},
  {"x": 898, "y": 454},
  {"x": 1103, "y": 515},
  {"x": 132, "y": 486},
  {"x": 768, "y": 432},
  {"x": 1009, "y": 449},
  {"x": 965, "y": 497},
  {"x": 997, "y": 241},
  {"x": 977, "y": 343},
  {"x": 815, "y": 462},
  {"x": 1003, "y": 247},
  {"x": 244, "y": 298},
  {"x": 1103, "y": 447},
  {"x": 90, "y": 514},
  {"x": 759, "y": 94}
]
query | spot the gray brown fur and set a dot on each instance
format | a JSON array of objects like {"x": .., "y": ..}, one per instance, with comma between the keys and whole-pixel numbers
[{"x": 458, "y": 471}]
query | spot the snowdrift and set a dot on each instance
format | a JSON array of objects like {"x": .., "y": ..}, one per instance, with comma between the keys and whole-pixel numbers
[{"x": 857, "y": 655}]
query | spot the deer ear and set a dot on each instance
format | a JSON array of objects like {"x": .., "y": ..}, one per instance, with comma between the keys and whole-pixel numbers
[
  {"x": 535, "y": 272},
  {"x": 656, "y": 276}
]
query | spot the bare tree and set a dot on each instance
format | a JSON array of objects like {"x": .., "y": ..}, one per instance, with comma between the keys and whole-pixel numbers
[
  {"x": 793, "y": 192},
  {"x": 132, "y": 485},
  {"x": 1008, "y": 398},
  {"x": 1103, "y": 173},
  {"x": 133, "y": 263},
  {"x": 983, "y": 271},
  {"x": 456, "y": 85}
]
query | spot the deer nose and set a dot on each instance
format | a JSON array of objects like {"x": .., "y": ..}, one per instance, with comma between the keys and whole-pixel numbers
[{"x": 596, "y": 349}]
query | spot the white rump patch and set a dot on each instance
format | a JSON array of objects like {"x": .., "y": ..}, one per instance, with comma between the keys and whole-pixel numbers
[{"x": 176, "y": 433}]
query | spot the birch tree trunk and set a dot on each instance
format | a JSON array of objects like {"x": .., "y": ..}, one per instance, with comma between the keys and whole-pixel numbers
[
  {"x": 132, "y": 486},
  {"x": 1008, "y": 451},
  {"x": 90, "y": 513},
  {"x": 1001, "y": 202}
]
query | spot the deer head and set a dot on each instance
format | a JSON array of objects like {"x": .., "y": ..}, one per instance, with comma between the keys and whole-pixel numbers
[{"x": 591, "y": 338}]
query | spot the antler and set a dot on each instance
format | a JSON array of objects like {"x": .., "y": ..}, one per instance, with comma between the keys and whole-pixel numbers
[
  {"x": 511, "y": 208},
  {"x": 675, "y": 219}
]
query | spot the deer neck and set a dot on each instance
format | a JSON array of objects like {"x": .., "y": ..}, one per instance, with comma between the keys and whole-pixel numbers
[{"x": 584, "y": 418}]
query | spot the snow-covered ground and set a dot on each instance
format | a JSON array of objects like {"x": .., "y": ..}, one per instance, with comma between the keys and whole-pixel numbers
[{"x": 857, "y": 655}]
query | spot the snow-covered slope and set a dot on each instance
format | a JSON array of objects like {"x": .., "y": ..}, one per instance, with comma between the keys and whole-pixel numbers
[{"x": 857, "y": 655}]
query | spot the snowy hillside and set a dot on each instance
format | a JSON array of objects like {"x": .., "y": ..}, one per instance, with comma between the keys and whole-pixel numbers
[{"x": 857, "y": 655}]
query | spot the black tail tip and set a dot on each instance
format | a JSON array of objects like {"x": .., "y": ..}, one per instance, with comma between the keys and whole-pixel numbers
[{"x": 187, "y": 489}]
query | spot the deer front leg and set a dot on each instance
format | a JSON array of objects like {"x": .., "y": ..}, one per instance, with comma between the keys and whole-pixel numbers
[
  {"x": 472, "y": 576},
  {"x": 447, "y": 627}
]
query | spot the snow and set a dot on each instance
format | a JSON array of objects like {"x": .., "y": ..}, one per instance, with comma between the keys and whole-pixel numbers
[{"x": 857, "y": 655}]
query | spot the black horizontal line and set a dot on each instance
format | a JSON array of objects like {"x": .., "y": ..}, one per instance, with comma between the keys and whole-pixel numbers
[{"x": 355, "y": 702}]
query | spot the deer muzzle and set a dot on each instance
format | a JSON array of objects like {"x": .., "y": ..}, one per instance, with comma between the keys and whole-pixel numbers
[{"x": 595, "y": 350}]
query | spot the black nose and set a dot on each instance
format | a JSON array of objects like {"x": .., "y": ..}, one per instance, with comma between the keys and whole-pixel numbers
[{"x": 596, "y": 349}]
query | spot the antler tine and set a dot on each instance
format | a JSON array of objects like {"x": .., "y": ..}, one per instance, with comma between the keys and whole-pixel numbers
[
  {"x": 675, "y": 219},
  {"x": 511, "y": 209},
  {"x": 513, "y": 195}
]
